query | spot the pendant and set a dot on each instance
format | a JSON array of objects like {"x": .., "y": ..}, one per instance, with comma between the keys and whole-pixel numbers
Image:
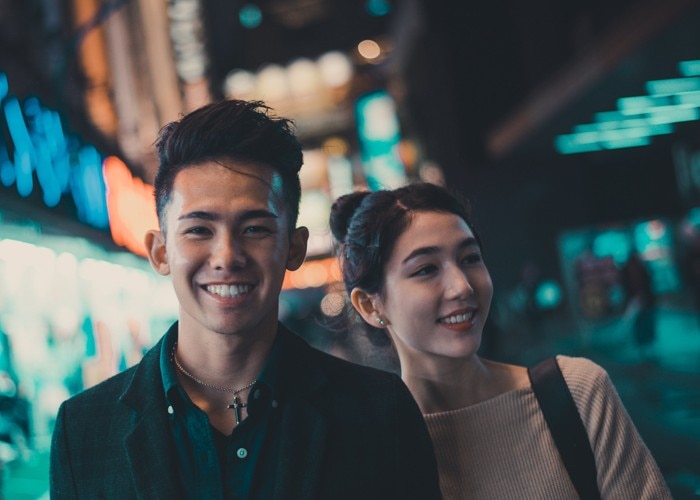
[{"x": 236, "y": 407}]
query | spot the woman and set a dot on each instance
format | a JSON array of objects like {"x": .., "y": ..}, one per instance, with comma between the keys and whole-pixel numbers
[{"x": 413, "y": 267}]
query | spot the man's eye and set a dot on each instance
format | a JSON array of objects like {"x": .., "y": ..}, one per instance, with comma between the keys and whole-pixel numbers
[
  {"x": 197, "y": 231},
  {"x": 472, "y": 258},
  {"x": 257, "y": 230}
]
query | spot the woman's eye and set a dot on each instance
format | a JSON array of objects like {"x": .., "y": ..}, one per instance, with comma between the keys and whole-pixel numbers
[{"x": 425, "y": 270}]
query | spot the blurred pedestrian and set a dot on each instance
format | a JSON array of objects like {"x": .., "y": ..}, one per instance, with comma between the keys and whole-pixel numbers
[{"x": 640, "y": 309}]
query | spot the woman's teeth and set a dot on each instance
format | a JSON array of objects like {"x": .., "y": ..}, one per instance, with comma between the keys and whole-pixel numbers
[{"x": 458, "y": 318}]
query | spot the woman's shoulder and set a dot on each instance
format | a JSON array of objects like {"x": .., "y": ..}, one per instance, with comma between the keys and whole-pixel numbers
[{"x": 584, "y": 376}]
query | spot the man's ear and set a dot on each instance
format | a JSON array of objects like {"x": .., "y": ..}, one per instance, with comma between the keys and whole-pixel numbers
[
  {"x": 367, "y": 305},
  {"x": 297, "y": 248},
  {"x": 157, "y": 255}
]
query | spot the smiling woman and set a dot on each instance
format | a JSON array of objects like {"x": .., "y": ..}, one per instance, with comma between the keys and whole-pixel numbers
[{"x": 413, "y": 268}]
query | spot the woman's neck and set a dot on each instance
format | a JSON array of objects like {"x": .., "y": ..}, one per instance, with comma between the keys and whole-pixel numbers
[{"x": 451, "y": 384}]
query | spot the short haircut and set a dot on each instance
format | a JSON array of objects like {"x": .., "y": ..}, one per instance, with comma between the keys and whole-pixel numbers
[{"x": 242, "y": 131}]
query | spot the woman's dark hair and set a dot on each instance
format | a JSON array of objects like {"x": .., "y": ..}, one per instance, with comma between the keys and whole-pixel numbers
[
  {"x": 244, "y": 131},
  {"x": 366, "y": 226}
]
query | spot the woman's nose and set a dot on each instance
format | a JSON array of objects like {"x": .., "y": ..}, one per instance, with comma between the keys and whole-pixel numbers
[{"x": 458, "y": 284}]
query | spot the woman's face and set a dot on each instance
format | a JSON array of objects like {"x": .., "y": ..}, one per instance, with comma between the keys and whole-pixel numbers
[{"x": 437, "y": 290}]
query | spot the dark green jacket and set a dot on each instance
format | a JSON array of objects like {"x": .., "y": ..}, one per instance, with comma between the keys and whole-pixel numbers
[{"x": 354, "y": 433}]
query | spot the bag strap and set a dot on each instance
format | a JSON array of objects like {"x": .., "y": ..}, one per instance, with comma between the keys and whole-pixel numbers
[{"x": 566, "y": 426}]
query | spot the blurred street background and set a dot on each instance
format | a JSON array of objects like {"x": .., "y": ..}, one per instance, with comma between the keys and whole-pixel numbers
[{"x": 572, "y": 127}]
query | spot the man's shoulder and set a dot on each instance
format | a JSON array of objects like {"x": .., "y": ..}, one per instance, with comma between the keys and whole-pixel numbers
[
  {"x": 108, "y": 390},
  {"x": 342, "y": 366},
  {"x": 343, "y": 375},
  {"x": 111, "y": 389}
]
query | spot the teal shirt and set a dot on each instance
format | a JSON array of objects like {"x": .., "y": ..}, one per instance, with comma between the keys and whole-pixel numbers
[{"x": 211, "y": 464}]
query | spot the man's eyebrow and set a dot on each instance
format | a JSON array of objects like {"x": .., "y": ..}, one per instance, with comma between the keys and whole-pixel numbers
[
  {"x": 466, "y": 242},
  {"x": 213, "y": 216}
]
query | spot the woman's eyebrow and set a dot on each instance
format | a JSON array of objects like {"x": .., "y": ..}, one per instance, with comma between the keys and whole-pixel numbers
[{"x": 467, "y": 242}]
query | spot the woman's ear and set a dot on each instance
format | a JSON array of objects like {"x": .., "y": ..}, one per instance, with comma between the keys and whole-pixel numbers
[
  {"x": 367, "y": 305},
  {"x": 157, "y": 255}
]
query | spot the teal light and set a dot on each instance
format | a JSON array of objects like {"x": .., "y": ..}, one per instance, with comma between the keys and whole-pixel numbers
[
  {"x": 638, "y": 118},
  {"x": 4, "y": 86},
  {"x": 613, "y": 243},
  {"x": 612, "y": 124},
  {"x": 378, "y": 8},
  {"x": 639, "y": 104},
  {"x": 566, "y": 145},
  {"x": 689, "y": 68},
  {"x": 250, "y": 16},
  {"x": 595, "y": 139},
  {"x": 548, "y": 295},
  {"x": 569, "y": 144},
  {"x": 673, "y": 85},
  {"x": 689, "y": 98},
  {"x": 694, "y": 216},
  {"x": 673, "y": 114},
  {"x": 610, "y": 116},
  {"x": 626, "y": 142}
]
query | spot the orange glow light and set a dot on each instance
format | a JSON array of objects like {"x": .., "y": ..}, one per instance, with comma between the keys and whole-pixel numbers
[{"x": 130, "y": 204}]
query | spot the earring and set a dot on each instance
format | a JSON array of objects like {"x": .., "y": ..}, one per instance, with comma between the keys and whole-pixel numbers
[{"x": 381, "y": 322}]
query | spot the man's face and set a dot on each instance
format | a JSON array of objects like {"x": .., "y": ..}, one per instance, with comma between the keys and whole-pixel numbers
[{"x": 227, "y": 248}]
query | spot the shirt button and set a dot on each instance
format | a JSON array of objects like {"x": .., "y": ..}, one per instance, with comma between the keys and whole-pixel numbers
[
  {"x": 170, "y": 409},
  {"x": 242, "y": 453},
  {"x": 256, "y": 394},
  {"x": 274, "y": 403}
]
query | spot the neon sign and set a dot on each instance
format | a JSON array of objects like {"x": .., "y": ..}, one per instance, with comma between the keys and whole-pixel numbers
[
  {"x": 379, "y": 134},
  {"x": 38, "y": 156}
]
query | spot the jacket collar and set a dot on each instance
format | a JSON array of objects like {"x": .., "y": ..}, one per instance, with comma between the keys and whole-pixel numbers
[{"x": 304, "y": 424}]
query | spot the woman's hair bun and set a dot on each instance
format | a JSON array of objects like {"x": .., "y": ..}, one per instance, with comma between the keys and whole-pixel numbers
[{"x": 342, "y": 211}]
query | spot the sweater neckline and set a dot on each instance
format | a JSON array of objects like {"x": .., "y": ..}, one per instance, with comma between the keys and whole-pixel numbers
[{"x": 511, "y": 393}]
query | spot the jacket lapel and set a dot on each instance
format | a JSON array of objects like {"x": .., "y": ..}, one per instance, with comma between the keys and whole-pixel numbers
[
  {"x": 304, "y": 425},
  {"x": 148, "y": 445}
]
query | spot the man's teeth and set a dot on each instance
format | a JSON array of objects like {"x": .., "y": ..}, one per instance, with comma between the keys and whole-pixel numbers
[
  {"x": 458, "y": 318},
  {"x": 228, "y": 290}
]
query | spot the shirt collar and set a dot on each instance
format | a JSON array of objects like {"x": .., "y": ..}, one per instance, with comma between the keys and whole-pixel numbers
[
  {"x": 167, "y": 368},
  {"x": 270, "y": 378}
]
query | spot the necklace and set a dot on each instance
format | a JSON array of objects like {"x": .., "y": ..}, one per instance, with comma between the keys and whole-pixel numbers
[{"x": 237, "y": 405}]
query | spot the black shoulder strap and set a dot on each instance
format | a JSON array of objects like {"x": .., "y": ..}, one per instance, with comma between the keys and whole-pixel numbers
[{"x": 566, "y": 426}]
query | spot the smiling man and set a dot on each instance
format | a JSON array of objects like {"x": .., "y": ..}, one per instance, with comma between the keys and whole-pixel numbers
[{"x": 230, "y": 403}]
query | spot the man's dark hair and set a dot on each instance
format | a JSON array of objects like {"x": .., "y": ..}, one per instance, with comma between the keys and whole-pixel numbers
[{"x": 242, "y": 131}]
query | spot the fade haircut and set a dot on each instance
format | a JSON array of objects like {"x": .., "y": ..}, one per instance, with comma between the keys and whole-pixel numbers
[{"x": 241, "y": 131}]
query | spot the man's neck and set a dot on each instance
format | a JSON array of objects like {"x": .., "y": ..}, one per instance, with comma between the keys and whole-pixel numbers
[{"x": 224, "y": 360}]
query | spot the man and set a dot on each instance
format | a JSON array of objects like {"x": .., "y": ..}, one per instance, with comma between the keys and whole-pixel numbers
[{"x": 229, "y": 403}]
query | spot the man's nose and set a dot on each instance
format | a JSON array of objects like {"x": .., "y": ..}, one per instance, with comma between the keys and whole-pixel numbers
[{"x": 227, "y": 253}]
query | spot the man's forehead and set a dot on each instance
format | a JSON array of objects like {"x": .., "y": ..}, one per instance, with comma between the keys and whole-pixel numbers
[
  {"x": 267, "y": 178},
  {"x": 261, "y": 171}
]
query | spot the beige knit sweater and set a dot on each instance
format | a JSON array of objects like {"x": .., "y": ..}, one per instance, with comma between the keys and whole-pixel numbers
[{"x": 501, "y": 448}]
